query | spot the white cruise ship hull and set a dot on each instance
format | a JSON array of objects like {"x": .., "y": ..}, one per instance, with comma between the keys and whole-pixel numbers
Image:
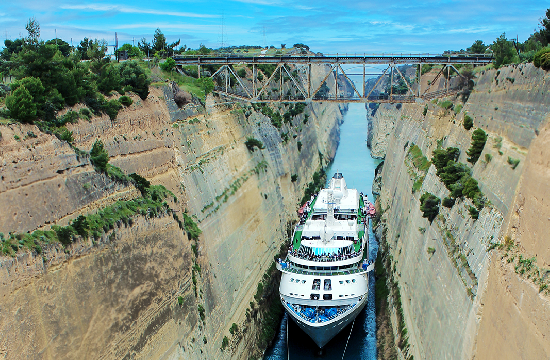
[{"x": 322, "y": 333}]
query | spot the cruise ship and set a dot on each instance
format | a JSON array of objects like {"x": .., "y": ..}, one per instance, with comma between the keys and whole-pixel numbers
[{"x": 324, "y": 282}]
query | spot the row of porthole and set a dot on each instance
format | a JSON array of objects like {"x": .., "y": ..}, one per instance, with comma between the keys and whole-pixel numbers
[
  {"x": 347, "y": 281},
  {"x": 303, "y": 281},
  {"x": 338, "y": 295}
]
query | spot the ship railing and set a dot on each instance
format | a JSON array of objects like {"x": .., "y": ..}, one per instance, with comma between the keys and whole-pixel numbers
[
  {"x": 317, "y": 318},
  {"x": 284, "y": 267}
]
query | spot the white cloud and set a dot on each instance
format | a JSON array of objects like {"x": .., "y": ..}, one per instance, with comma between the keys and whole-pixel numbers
[{"x": 131, "y": 10}]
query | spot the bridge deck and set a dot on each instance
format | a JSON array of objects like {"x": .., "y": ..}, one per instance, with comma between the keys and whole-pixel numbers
[{"x": 477, "y": 59}]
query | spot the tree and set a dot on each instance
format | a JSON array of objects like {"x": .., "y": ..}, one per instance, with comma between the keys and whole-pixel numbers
[
  {"x": 62, "y": 46},
  {"x": 33, "y": 29},
  {"x": 144, "y": 46},
  {"x": 133, "y": 51},
  {"x": 478, "y": 47},
  {"x": 134, "y": 77},
  {"x": 99, "y": 156},
  {"x": 504, "y": 51},
  {"x": 441, "y": 157},
  {"x": 21, "y": 105},
  {"x": 34, "y": 87},
  {"x": 109, "y": 79},
  {"x": 468, "y": 122},
  {"x": 479, "y": 138},
  {"x": 159, "y": 41},
  {"x": 83, "y": 48},
  {"x": 168, "y": 64},
  {"x": 97, "y": 49},
  {"x": 171, "y": 47},
  {"x": 429, "y": 205},
  {"x": 11, "y": 47},
  {"x": 545, "y": 27}
]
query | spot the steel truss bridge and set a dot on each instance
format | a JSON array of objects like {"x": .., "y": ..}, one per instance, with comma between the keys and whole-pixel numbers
[{"x": 323, "y": 79}]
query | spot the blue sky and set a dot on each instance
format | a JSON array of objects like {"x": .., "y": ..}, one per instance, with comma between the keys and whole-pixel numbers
[{"x": 326, "y": 26}]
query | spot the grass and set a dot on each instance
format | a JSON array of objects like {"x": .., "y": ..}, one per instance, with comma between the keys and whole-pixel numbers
[{"x": 418, "y": 159}]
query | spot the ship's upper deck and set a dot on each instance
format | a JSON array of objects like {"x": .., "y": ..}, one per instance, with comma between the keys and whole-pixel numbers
[{"x": 345, "y": 200}]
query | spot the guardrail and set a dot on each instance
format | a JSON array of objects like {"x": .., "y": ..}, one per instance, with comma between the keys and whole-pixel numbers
[{"x": 479, "y": 59}]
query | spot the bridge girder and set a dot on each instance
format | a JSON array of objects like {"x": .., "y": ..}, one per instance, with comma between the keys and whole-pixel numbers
[{"x": 255, "y": 90}]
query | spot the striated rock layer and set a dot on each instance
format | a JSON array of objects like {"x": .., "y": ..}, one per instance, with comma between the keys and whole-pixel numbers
[
  {"x": 462, "y": 298},
  {"x": 131, "y": 294}
]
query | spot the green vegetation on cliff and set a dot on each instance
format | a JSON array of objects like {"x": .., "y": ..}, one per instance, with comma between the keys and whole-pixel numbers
[
  {"x": 429, "y": 205},
  {"x": 479, "y": 138},
  {"x": 151, "y": 204}
]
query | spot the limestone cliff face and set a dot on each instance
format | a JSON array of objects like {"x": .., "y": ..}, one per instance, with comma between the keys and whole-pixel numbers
[
  {"x": 118, "y": 297},
  {"x": 460, "y": 299}
]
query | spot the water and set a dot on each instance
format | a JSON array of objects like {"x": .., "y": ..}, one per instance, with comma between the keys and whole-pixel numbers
[{"x": 353, "y": 160}]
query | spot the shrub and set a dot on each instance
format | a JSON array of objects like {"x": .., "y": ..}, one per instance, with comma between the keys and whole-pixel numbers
[
  {"x": 233, "y": 329},
  {"x": 133, "y": 76},
  {"x": 513, "y": 162},
  {"x": 419, "y": 160},
  {"x": 125, "y": 100},
  {"x": 468, "y": 122},
  {"x": 457, "y": 108},
  {"x": 251, "y": 143},
  {"x": 225, "y": 342},
  {"x": 191, "y": 227},
  {"x": 140, "y": 183},
  {"x": 294, "y": 177},
  {"x": 474, "y": 213},
  {"x": 299, "y": 144},
  {"x": 542, "y": 58},
  {"x": 168, "y": 64},
  {"x": 441, "y": 158},
  {"x": 21, "y": 105},
  {"x": 64, "y": 134},
  {"x": 241, "y": 72},
  {"x": 448, "y": 202},
  {"x": 201, "y": 310},
  {"x": 429, "y": 205},
  {"x": 85, "y": 112},
  {"x": 425, "y": 111},
  {"x": 99, "y": 156},
  {"x": 64, "y": 234},
  {"x": 446, "y": 104},
  {"x": 81, "y": 226},
  {"x": 180, "y": 300},
  {"x": 417, "y": 184},
  {"x": 488, "y": 158},
  {"x": 431, "y": 250},
  {"x": 111, "y": 108},
  {"x": 479, "y": 138}
]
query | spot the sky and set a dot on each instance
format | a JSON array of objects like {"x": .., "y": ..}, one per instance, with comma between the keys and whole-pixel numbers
[{"x": 337, "y": 26}]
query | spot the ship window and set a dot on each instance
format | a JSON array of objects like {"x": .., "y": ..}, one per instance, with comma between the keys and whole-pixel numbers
[
  {"x": 327, "y": 296},
  {"x": 303, "y": 281},
  {"x": 341, "y": 281},
  {"x": 291, "y": 280},
  {"x": 341, "y": 295},
  {"x": 328, "y": 285},
  {"x": 347, "y": 281},
  {"x": 353, "y": 280},
  {"x": 314, "y": 296},
  {"x": 316, "y": 284}
]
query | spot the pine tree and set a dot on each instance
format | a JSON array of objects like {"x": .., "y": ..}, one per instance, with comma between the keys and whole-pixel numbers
[{"x": 21, "y": 105}]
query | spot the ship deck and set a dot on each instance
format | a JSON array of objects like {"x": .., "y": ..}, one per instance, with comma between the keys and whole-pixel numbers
[{"x": 297, "y": 240}]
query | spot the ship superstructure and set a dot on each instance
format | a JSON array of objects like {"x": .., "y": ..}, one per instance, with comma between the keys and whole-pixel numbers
[{"x": 324, "y": 282}]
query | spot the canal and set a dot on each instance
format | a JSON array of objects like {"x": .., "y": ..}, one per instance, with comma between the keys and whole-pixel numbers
[{"x": 354, "y": 161}]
